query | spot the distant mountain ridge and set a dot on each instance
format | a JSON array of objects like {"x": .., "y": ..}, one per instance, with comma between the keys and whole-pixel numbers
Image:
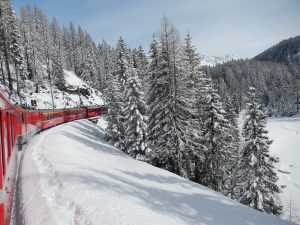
[
  {"x": 286, "y": 51},
  {"x": 207, "y": 60}
]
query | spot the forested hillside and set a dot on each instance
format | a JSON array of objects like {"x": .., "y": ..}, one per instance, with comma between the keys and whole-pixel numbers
[
  {"x": 277, "y": 83},
  {"x": 166, "y": 108},
  {"x": 286, "y": 51},
  {"x": 35, "y": 52}
]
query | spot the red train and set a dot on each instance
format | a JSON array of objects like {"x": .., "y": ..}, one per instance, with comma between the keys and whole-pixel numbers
[{"x": 17, "y": 125}]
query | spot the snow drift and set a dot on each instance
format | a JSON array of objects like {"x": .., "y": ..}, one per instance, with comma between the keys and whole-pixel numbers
[{"x": 70, "y": 175}]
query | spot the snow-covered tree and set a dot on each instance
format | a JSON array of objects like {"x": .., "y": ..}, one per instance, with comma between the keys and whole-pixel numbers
[
  {"x": 173, "y": 137},
  {"x": 194, "y": 81},
  {"x": 114, "y": 99},
  {"x": 259, "y": 188},
  {"x": 140, "y": 63},
  {"x": 232, "y": 170},
  {"x": 56, "y": 56},
  {"x": 214, "y": 135},
  {"x": 121, "y": 75},
  {"x": 135, "y": 124},
  {"x": 11, "y": 48}
]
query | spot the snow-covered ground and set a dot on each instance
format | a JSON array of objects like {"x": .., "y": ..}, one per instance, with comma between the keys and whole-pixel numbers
[
  {"x": 70, "y": 175},
  {"x": 68, "y": 99},
  {"x": 285, "y": 132}
]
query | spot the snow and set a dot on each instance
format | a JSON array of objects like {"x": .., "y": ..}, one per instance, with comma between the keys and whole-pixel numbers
[
  {"x": 70, "y": 175},
  {"x": 285, "y": 133},
  {"x": 73, "y": 80},
  {"x": 207, "y": 60},
  {"x": 61, "y": 99}
]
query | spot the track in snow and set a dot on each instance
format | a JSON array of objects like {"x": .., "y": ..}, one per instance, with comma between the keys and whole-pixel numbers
[{"x": 71, "y": 176}]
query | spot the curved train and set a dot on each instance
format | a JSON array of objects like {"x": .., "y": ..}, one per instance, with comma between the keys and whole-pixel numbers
[{"x": 17, "y": 125}]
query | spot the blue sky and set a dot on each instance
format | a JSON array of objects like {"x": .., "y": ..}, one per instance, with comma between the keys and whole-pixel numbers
[{"x": 236, "y": 27}]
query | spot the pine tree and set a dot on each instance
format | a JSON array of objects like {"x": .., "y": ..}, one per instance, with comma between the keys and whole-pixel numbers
[
  {"x": 135, "y": 125},
  {"x": 173, "y": 137},
  {"x": 56, "y": 57},
  {"x": 232, "y": 170},
  {"x": 141, "y": 64},
  {"x": 194, "y": 82},
  {"x": 260, "y": 188},
  {"x": 113, "y": 120},
  {"x": 214, "y": 134},
  {"x": 121, "y": 74},
  {"x": 30, "y": 41},
  {"x": 153, "y": 91},
  {"x": 122, "y": 64},
  {"x": 11, "y": 48}
]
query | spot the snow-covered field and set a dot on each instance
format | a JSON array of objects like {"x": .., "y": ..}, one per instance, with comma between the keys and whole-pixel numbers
[
  {"x": 285, "y": 132},
  {"x": 70, "y": 175}
]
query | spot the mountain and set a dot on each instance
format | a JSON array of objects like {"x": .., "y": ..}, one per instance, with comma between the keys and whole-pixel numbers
[
  {"x": 215, "y": 60},
  {"x": 286, "y": 51}
]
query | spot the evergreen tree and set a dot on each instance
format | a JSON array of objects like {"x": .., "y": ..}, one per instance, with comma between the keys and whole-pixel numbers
[
  {"x": 194, "y": 83},
  {"x": 141, "y": 65},
  {"x": 113, "y": 120},
  {"x": 260, "y": 189},
  {"x": 11, "y": 48},
  {"x": 135, "y": 125},
  {"x": 121, "y": 74},
  {"x": 30, "y": 42},
  {"x": 153, "y": 91},
  {"x": 122, "y": 63},
  {"x": 56, "y": 56},
  {"x": 173, "y": 138},
  {"x": 232, "y": 174},
  {"x": 214, "y": 135}
]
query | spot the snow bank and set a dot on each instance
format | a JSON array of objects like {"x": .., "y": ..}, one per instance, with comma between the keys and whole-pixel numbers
[
  {"x": 70, "y": 175},
  {"x": 67, "y": 99},
  {"x": 285, "y": 133}
]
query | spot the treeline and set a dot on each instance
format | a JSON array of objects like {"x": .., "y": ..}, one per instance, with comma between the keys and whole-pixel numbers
[
  {"x": 175, "y": 120},
  {"x": 277, "y": 84},
  {"x": 163, "y": 108},
  {"x": 34, "y": 51},
  {"x": 286, "y": 51}
]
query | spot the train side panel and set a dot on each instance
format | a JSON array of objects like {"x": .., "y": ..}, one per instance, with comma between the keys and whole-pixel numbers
[
  {"x": 8, "y": 157},
  {"x": 75, "y": 114},
  {"x": 93, "y": 111},
  {"x": 51, "y": 118}
]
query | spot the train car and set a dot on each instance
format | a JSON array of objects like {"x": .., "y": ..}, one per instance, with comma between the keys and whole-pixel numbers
[
  {"x": 103, "y": 110},
  {"x": 17, "y": 125},
  {"x": 74, "y": 114},
  {"x": 8, "y": 157},
  {"x": 92, "y": 111},
  {"x": 28, "y": 123},
  {"x": 50, "y": 118}
]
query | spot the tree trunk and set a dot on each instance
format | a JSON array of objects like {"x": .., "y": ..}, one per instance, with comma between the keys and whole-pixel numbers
[
  {"x": 6, "y": 57},
  {"x": 2, "y": 71}
]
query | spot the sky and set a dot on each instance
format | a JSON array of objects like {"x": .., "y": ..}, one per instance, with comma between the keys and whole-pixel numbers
[{"x": 240, "y": 28}]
